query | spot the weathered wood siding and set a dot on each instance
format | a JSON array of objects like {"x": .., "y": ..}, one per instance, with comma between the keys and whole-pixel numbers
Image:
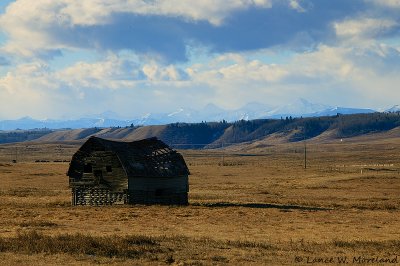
[
  {"x": 177, "y": 184},
  {"x": 97, "y": 196},
  {"x": 150, "y": 197},
  {"x": 106, "y": 172},
  {"x": 158, "y": 190}
]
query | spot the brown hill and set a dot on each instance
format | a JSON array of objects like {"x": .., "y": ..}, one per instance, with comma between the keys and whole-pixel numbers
[{"x": 362, "y": 127}]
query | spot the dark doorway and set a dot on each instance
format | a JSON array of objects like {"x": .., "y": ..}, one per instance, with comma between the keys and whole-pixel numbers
[{"x": 87, "y": 168}]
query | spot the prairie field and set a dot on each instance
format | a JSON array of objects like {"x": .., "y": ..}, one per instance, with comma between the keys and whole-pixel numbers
[{"x": 252, "y": 204}]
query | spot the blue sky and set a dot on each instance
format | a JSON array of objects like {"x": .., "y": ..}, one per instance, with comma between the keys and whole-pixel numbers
[{"x": 73, "y": 58}]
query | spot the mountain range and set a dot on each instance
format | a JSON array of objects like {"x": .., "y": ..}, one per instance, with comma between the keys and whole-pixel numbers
[
  {"x": 224, "y": 134},
  {"x": 211, "y": 112}
]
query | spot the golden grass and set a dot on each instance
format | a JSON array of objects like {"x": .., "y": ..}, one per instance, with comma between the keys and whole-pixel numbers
[
  {"x": 167, "y": 250},
  {"x": 248, "y": 210}
]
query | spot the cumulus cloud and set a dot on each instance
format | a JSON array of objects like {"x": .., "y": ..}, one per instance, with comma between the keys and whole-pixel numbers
[
  {"x": 88, "y": 13},
  {"x": 333, "y": 75},
  {"x": 159, "y": 55},
  {"x": 364, "y": 28},
  {"x": 46, "y": 26},
  {"x": 364, "y": 76},
  {"x": 326, "y": 63},
  {"x": 300, "y": 6},
  {"x": 237, "y": 69},
  {"x": 229, "y": 80},
  {"x": 114, "y": 83},
  {"x": 28, "y": 89},
  {"x": 386, "y": 3},
  {"x": 26, "y": 76},
  {"x": 110, "y": 73},
  {"x": 155, "y": 72},
  {"x": 163, "y": 29}
]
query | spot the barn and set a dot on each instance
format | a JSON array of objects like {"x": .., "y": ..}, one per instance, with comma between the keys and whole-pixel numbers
[{"x": 106, "y": 172}]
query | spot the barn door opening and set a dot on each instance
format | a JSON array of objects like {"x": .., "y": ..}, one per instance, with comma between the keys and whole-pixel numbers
[{"x": 87, "y": 168}]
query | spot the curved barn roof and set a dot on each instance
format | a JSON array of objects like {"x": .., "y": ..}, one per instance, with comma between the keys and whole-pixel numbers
[{"x": 145, "y": 158}]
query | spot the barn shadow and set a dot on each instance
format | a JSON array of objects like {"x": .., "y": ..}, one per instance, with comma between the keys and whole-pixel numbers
[{"x": 260, "y": 206}]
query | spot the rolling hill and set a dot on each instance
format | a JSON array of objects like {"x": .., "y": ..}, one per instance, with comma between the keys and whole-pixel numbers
[{"x": 218, "y": 134}]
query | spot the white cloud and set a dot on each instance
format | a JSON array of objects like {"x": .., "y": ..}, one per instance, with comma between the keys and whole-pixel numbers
[
  {"x": 296, "y": 5},
  {"x": 363, "y": 28},
  {"x": 111, "y": 73},
  {"x": 324, "y": 63},
  {"x": 35, "y": 89},
  {"x": 25, "y": 15},
  {"x": 356, "y": 65},
  {"x": 386, "y": 3},
  {"x": 28, "y": 88},
  {"x": 229, "y": 80},
  {"x": 26, "y": 76},
  {"x": 359, "y": 76},
  {"x": 114, "y": 83},
  {"x": 365, "y": 76},
  {"x": 26, "y": 25},
  {"x": 46, "y": 27},
  {"x": 213, "y": 11},
  {"x": 237, "y": 68},
  {"x": 155, "y": 72}
]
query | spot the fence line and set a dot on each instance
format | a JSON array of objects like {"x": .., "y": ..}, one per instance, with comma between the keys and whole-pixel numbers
[{"x": 332, "y": 156}]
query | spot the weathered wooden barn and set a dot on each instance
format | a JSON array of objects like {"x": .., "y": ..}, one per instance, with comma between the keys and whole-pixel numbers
[{"x": 105, "y": 172}]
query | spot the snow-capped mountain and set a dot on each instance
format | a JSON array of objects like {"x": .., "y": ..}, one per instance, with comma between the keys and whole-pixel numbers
[
  {"x": 300, "y": 107},
  {"x": 209, "y": 113},
  {"x": 393, "y": 109},
  {"x": 342, "y": 110},
  {"x": 253, "y": 110}
]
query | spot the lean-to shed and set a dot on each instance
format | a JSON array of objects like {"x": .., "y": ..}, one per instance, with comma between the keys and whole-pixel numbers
[{"x": 105, "y": 172}]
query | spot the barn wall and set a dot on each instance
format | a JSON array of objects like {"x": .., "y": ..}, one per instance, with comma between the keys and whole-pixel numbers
[
  {"x": 158, "y": 190},
  {"x": 107, "y": 171},
  {"x": 97, "y": 196},
  {"x": 178, "y": 184},
  {"x": 98, "y": 177}
]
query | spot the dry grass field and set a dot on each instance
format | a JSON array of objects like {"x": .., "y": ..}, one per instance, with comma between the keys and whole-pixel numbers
[{"x": 244, "y": 209}]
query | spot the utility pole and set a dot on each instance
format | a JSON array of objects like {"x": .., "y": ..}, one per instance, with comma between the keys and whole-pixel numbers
[
  {"x": 305, "y": 152},
  {"x": 223, "y": 154},
  {"x": 16, "y": 155}
]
